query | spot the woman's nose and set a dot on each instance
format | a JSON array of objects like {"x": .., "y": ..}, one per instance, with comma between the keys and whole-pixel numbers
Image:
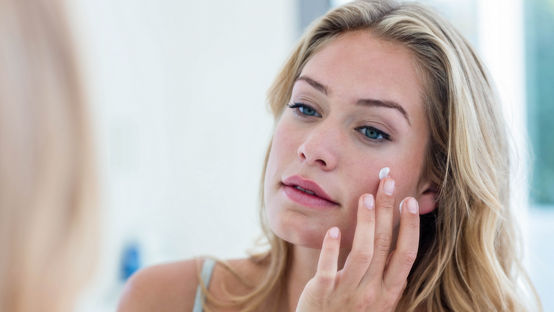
[{"x": 320, "y": 148}]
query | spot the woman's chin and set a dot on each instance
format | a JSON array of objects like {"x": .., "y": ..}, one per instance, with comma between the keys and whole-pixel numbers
[
  {"x": 306, "y": 241},
  {"x": 307, "y": 235}
]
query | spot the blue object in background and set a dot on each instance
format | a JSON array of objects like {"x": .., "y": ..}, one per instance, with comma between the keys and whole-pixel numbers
[{"x": 130, "y": 260}]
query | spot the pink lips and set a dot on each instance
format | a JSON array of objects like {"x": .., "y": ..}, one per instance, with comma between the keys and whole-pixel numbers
[{"x": 310, "y": 194}]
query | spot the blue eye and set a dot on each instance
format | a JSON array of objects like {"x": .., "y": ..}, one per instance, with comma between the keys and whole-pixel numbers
[
  {"x": 374, "y": 134},
  {"x": 305, "y": 110}
]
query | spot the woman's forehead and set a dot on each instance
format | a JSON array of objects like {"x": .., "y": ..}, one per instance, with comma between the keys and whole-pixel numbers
[{"x": 358, "y": 65}]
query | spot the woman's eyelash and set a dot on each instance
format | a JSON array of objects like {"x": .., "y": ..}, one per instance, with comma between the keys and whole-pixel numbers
[
  {"x": 304, "y": 110},
  {"x": 373, "y": 133}
]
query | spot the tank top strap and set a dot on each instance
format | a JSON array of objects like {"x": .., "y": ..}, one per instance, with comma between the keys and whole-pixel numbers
[{"x": 206, "y": 275}]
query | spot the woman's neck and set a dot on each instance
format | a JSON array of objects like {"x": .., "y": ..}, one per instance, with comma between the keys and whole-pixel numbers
[{"x": 302, "y": 267}]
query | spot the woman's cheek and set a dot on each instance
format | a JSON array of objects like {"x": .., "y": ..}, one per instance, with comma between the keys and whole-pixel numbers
[{"x": 368, "y": 182}]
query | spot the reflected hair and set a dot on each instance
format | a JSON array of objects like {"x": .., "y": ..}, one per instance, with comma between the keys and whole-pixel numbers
[
  {"x": 47, "y": 184},
  {"x": 468, "y": 258}
]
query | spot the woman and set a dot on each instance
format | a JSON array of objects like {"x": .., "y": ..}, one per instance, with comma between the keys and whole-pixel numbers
[
  {"x": 47, "y": 184},
  {"x": 380, "y": 106}
]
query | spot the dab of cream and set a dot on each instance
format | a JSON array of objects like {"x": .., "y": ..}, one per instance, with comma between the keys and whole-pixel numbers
[{"x": 384, "y": 172}]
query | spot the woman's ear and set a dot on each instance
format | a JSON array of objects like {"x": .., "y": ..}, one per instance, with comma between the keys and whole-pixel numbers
[{"x": 428, "y": 198}]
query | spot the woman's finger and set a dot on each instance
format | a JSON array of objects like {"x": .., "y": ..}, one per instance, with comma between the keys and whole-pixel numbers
[
  {"x": 384, "y": 210},
  {"x": 361, "y": 254},
  {"x": 328, "y": 260},
  {"x": 406, "y": 246}
]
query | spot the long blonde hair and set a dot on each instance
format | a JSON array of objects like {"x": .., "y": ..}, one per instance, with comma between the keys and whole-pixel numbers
[
  {"x": 47, "y": 183},
  {"x": 467, "y": 259}
]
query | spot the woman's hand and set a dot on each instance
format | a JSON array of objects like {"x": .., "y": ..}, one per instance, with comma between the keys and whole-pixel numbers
[{"x": 373, "y": 278}]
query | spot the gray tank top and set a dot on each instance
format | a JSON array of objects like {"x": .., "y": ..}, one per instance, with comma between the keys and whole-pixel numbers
[{"x": 206, "y": 275}]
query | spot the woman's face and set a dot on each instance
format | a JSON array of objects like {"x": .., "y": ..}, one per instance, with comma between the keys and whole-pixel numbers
[{"x": 355, "y": 108}]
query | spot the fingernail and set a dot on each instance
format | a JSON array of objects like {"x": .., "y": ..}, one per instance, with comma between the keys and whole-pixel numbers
[
  {"x": 389, "y": 187},
  {"x": 384, "y": 172},
  {"x": 334, "y": 232},
  {"x": 369, "y": 202},
  {"x": 401, "y": 204},
  {"x": 412, "y": 206}
]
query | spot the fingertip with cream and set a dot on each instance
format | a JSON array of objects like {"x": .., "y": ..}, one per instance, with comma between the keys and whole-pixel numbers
[{"x": 384, "y": 172}]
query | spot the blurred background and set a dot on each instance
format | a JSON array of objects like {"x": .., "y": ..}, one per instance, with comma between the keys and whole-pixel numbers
[{"x": 178, "y": 96}]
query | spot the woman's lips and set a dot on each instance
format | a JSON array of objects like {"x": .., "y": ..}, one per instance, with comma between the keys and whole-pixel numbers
[
  {"x": 310, "y": 186},
  {"x": 306, "y": 192},
  {"x": 306, "y": 199}
]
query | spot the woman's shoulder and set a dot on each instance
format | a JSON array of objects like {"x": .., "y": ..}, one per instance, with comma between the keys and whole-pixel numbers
[
  {"x": 164, "y": 287},
  {"x": 172, "y": 286}
]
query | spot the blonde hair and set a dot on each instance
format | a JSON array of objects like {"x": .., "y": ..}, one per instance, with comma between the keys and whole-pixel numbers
[
  {"x": 467, "y": 257},
  {"x": 47, "y": 183}
]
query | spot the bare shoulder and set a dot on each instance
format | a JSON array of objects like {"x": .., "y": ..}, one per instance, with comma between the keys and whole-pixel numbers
[
  {"x": 164, "y": 287},
  {"x": 172, "y": 286}
]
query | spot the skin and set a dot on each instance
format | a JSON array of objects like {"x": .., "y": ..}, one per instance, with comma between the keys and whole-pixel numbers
[{"x": 328, "y": 144}]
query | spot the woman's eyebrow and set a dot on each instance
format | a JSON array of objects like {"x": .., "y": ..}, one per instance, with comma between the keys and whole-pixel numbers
[
  {"x": 317, "y": 85},
  {"x": 387, "y": 104},
  {"x": 362, "y": 102}
]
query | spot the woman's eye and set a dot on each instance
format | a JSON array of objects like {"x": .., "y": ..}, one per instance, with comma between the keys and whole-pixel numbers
[
  {"x": 374, "y": 134},
  {"x": 305, "y": 110}
]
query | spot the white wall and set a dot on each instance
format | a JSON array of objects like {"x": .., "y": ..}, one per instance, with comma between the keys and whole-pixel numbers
[{"x": 178, "y": 93}]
